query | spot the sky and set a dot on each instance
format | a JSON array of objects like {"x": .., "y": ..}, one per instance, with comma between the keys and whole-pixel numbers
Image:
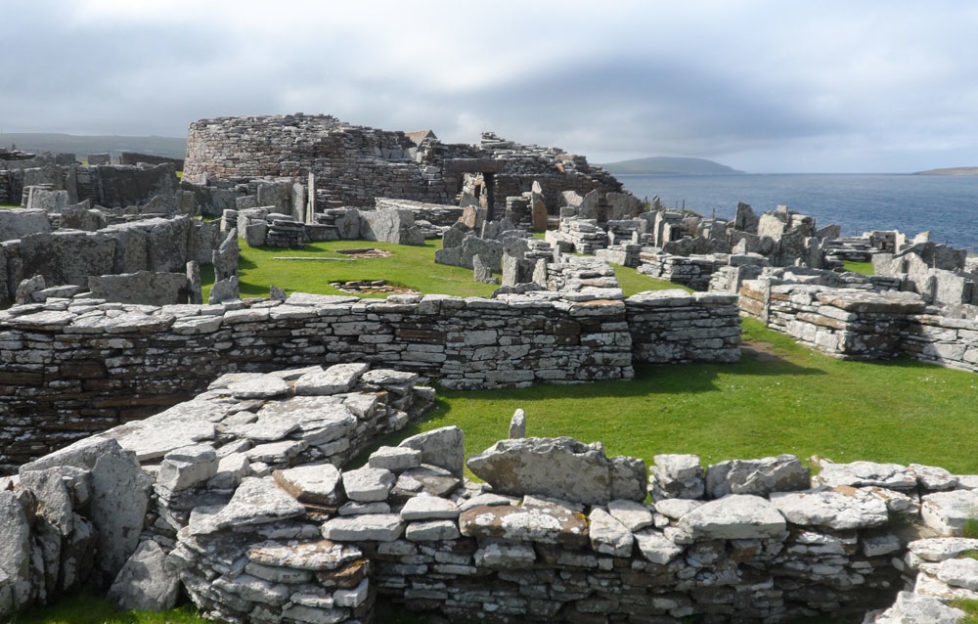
[{"x": 765, "y": 86}]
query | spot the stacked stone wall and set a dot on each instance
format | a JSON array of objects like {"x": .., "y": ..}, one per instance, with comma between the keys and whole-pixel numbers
[
  {"x": 855, "y": 323},
  {"x": 241, "y": 497},
  {"x": 73, "y": 367}
]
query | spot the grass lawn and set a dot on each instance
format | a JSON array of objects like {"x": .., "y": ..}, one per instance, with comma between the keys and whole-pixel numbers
[
  {"x": 787, "y": 400},
  {"x": 864, "y": 268},
  {"x": 86, "y": 609},
  {"x": 410, "y": 266}
]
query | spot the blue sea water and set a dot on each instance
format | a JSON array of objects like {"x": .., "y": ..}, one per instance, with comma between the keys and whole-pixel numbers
[{"x": 947, "y": 206}]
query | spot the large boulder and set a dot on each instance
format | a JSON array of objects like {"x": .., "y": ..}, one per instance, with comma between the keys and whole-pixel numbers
[
  {"x": 146, "y": 582},
  {"x": 390, "y": 225},
  {"x": 15, "y": 555},
  {"x": 444, "y": 447},
  {"x": 556, "y": 467},
  {"x": 143, "y": 287}
]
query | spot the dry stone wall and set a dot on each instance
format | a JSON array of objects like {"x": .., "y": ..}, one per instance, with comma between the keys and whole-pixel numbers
[
  {"x": 69, "y": 367},
  {"x": 858, "y": 323},
  {"x": 241, "y": 496}
]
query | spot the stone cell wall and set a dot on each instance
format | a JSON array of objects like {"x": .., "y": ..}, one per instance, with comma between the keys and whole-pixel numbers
[
  {"x": 854, "y": 323},
  {"x": 251, "y": 510},
  {"x": 676, "y": 326},
  {"x": 70, "y": 368}
]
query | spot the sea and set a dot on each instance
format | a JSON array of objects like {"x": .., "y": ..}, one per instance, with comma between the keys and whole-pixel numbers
[{"x": 946, "y": 206}]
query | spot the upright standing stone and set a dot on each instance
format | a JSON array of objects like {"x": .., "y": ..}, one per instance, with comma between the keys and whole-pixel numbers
[
  {"x": 481, "y": 272},
  {"x": 194, "y": 283},
  {"x": 517, "y": 425},
  {"x": 119, "y": 499}
]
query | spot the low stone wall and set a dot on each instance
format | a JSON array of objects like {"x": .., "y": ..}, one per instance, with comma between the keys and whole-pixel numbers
[
  {"x": 69, "y": 368},
  {"x": 677, "y": 326},
  {"x": 250, "y": 510},
  {"x": 856, "y": 323}
]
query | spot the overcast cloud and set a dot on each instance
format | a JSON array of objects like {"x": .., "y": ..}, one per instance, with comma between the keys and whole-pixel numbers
[{"x": 764, "y": 86}]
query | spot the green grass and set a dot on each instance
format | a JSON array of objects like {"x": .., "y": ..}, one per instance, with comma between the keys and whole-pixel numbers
[
  {"x": 631, "y": 281},
  {"x": 85, "y": 609},
  {"x": 410, "y": 266},
  {"x": 794, "y": 401},
  {"x": 863, "y": 268},
  {"x": 8, "y": 206}
]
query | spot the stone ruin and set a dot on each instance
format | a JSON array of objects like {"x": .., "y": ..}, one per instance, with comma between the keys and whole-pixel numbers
[{"x": 243, "y": 498}]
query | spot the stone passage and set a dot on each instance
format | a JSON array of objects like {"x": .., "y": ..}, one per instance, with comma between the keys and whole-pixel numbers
[{"x": 241, "y": 497}]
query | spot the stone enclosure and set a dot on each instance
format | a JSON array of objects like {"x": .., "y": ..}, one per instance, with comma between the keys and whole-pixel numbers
[{"x": 241, "y": 497}]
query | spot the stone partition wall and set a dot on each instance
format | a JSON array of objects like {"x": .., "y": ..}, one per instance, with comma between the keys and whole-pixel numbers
[
  {"x": 72, "y": 367},
  {"x": 677, "y": 326},
  {"x": 856, "y": 323},
  {"x": 241, "y": 497}
]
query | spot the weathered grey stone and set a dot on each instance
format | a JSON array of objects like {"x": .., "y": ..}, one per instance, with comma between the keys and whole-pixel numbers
[
  {"x": 224, "y": 290},
  {"x": 429, "y": 508},
  {"x": 15, "y": 554},
  {"x": 608, "y": 535},
  {"x": 548, "y": 525},
  {"x": 120, "y": 495},
  {"x": 194, "y": 283},
  {"x": 368, "y": 528},
  {"x": 676, "y": 476},
  {"x": 225, "y": 257},
  {"x": 656, "y": 547},
  {"x": 633, "y": 514},
  {"x": 22, "y": 222},
  {"x": 256, "y": 501},
  {"x": 256, "y": 233},
  {"x": 517, "y": 424},
  {"x": 911, "y": 608},
  {"x": 947, "y": 512},
  {"x": 335, "y": 379},
  {"x": 558, "y": 467},
  {"x": 146, "y": 582},
  {"x": 431, "y": 530},
  {"x": 676, "y": 508},
  {"x": 27, "y": 288},
  {"x": 961, "y": 572},
  {"x": 432, "y": 480},
  {"x": 444, "y": 447},
  {"x": 259, "y": 387},
  {"x": 482, "y": 272},
  {"x": 187, "y": 467},
  {"x": 628, "y": 478},
  {"x": 840, "y": 509},
  {"x": 390, "y": 225},
  {"x": 316, "y": 555},
  {"x": 143, "y": 287},
  {"x": 738, "y": 516},
  {"x": 933, "y": 477},
  {"x": 941, "y": 548},
  {"x": 53, "y": 498},
  {"x": 395, "y": 458},
  {"x": 505, "y": 556},
  {"x": 865, "y": 473},
  {"x": 314, "y": 483},
  {"x": 784, "y": 473},
  {"x": 368, "y": 484},
  {"x": 353, "y": 508}
]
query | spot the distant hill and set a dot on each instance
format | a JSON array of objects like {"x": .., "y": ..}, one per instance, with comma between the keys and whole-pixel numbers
[
  {"x": 82, "y": 146},
  {"x": 950, "y": 171},
  {"x": 670, "y": 165}
]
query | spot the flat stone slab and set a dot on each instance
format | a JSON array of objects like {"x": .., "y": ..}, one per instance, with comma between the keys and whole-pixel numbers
[
  {"x": 335, "y": 379},
  {"x": 395, "y": 458},
  {"x": 313, "y": 484},
  {"x": 938, "y": 549},
  {"x": 738, "y": 516},
  {"x": 256, "y": 501},
  {"x": 260, "y": 387},
  {"x": 428, "y": 479},
  {"x": 367, "y": 485},
  {"x": 429, "y": 508},
  {"x": 947, "y": 512},
  {"x": 368, "y": 528},
  {"x": 316, "y": 556},
  {"x": 911, "y": 608},
  {"x": 842, "y": 508},
  {"x": 544, "y": 525},
  {"x": 865, "y": 473},
  {"x": 431, "y": 531},
  {"x": 502, "y": 556},
  {"x": 961, "y": 572}
]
